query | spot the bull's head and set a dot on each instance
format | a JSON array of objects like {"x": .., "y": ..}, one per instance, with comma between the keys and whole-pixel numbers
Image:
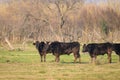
[
  {"x": 48, "y": 47},
  {"x": 84, "y": 48},
  {"x": 35, "y": 42}
]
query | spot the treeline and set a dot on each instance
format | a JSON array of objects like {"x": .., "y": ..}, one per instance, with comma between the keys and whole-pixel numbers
[{"x": 59, "y": 20}]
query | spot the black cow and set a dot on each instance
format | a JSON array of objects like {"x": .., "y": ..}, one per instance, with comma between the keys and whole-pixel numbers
[
  {"x": 116, "y": 48},
  {"x": 60, "y": 48},
  {"x": 42, "y": 48},
  {"x": 95, "y": 49}
]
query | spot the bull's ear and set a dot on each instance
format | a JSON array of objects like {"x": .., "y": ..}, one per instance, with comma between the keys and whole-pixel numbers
[
  {"x": 33, "y": 43},
  {"x": 48, "y": 42},
  {"x": 84, "y": 44}
]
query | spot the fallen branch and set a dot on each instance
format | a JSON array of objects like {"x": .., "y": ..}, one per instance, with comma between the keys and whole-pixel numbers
[{"x": 9, "y": 44}]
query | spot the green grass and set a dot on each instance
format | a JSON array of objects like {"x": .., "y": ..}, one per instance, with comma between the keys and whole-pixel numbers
[{"x": 24, "y": 65}]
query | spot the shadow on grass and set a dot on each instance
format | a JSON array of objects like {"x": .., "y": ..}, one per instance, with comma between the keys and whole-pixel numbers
[
  {"x": 75, "y": 62},
  {"x": 97, "y": 63}
]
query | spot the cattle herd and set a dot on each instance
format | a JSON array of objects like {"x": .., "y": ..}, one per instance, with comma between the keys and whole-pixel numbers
[{"x": 60, "y": 48}]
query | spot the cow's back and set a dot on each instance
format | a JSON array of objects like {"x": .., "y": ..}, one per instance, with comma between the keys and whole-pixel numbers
[
  {"x": 98, "y": 48},
  {"x": 63, "y": 47}
]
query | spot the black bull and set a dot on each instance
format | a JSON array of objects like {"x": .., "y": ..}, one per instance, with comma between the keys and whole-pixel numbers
[
  {"x": 116, "y": 48},
  {"x": 58, "y": 48},
  {"x": 42, "y": 48},
  {"x": 95, "y": 49}
]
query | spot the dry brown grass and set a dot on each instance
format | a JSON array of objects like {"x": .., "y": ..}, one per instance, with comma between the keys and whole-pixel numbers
[{"x": 59, "y": 71}]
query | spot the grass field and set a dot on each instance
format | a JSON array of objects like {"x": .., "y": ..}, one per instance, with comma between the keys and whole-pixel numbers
[{"x": 26, "y": 65}]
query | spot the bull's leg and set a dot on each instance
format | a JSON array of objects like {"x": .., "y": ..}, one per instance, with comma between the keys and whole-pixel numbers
[
  {"x": 109, "y": 57},
  {"x": 91, "y": 59},
  {"x": 57, "y": 58},
  {"x": 75, "y": 56},
  {"x": 41, "y": 58},
  {"x": 75, "y": 59},
  {"x": 44, "y": 57},
  {"x": 78, "y": 56},
  {"x": 94, "y": 59},
  {"x": 79, "y": 60}
]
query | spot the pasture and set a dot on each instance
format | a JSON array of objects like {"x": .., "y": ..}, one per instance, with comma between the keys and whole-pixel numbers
[{"x": 26, "y": 65}]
